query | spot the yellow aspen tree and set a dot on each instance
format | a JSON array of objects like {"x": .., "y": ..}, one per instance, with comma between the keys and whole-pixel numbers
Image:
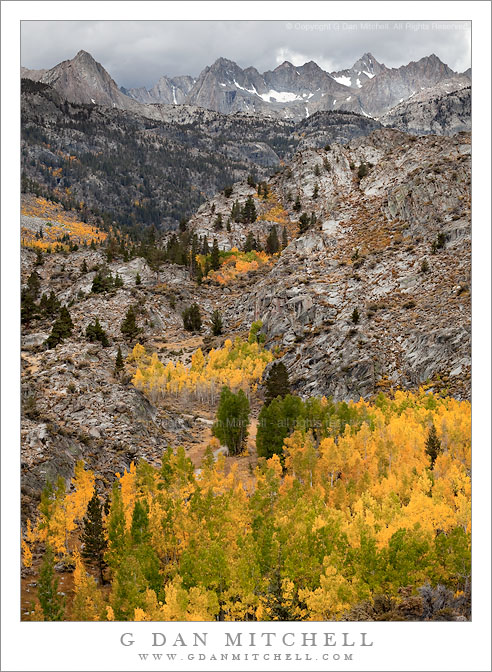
[{"x": 128, "y": 493}]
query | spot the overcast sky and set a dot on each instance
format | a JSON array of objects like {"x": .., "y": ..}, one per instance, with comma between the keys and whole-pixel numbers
[{"x": 137, "y": 53}]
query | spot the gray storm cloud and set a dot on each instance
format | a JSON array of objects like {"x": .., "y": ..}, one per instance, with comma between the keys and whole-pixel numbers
[{"x": 137, "y": 53}]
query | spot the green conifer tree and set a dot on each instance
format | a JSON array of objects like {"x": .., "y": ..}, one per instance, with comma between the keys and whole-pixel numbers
[
  {"x": 231, "y": 426},
  {"x": 216, "y": 323},
  {"x": 93, "y": 537},
  {"x": 215, "y": 256},
  {"x": 303, "y": 222},
  {"x": 129, "y": 326},
  {"x": 62, "y": 328},
  {"x": 140, "y": 524},
  {"x": 117, "y": 540},
  {"x": 94, "y": 332},
  {"x": 119, "y": 363},
  {"x": 272, "y": 245},
  {"x": 250, "y": 243},
  {"x": 277, "y": 382},
  {"x": 432, "y": 445}
]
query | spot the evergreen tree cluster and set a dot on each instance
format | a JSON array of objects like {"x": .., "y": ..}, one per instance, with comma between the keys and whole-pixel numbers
[{"x": 105, "y": 282}]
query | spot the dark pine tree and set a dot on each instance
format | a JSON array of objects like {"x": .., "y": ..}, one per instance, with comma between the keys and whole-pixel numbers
[
  {"x": 215, "y": 256},
  {"x": 432, "y": 445},
  {"x": 218, "y": 224},
  {"x": 119, "y": 364},
  {"x": 272, "y": 245},
  {"x": 62, "y": 328},
  {"x": 250, "y": 243},
  {"x": 129, "y": 326},
  {"x": 93, "y": 537},
  {"x": 277, "y": 383},
  {"x": 303, "y": 222},
  {"x": 140, "y": 524},
  {"x": 249, "y": 211},
  {"x": 217, "y": 324}
]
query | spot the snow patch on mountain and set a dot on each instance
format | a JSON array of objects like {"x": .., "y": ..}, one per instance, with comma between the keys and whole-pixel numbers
[
  {"x": 279, "y": 96},
  {"x": 343, "y": 80}
]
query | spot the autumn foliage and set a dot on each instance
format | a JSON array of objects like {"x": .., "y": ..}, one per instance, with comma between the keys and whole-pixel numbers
[
  {"x": 355, "y": 512},
  {"x": 57, "y": 225},
  {"x": 237, "y": 365},
  {"x": 234, "y": 263}
]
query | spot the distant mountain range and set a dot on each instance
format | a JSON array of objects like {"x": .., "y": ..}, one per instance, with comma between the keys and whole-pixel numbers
[{"x": 290, "y": 92}]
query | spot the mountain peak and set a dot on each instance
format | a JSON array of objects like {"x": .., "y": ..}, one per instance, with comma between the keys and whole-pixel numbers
[
  {"x": 285, "y": 64},
  {"x": 83, "y": 55},
  {"x": 311, "y": 65},
  {"x": 222, "y": 62}
]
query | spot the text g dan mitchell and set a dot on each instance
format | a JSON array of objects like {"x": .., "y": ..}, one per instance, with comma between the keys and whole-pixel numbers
[{"x": 252, "y": 639}]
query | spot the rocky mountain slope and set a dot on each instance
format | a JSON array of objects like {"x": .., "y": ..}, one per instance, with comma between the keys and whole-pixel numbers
[
  {"x": 392, "y": 242},
  {"x": 443, "y": 110}
]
